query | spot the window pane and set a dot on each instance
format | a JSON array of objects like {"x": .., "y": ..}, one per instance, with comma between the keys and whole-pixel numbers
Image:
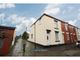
[
  {"x": 56, "y": 24},
  {"x": 57, "y": 36},
  {"x": 48, "y": 31},
  {"x": 66, "y": 26},
  {"x": 47, "y": 37},
  {"x": 67, "y": 36}
]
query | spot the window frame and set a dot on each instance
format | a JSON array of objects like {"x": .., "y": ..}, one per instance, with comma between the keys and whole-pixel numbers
[
  {"x": 57, "y": 36},
  {"x": 66, "y": 27},
  {"x": 56, "y": 23},
  {"x": 48, "y": 31}
]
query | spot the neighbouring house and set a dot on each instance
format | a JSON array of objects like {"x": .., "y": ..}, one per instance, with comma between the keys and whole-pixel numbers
[
  {"x": 7, "y": 38},
  {"x": 48, "y": 30},
  {"x": 69, "y": 33},
  {"x": 78, "y": 33}
]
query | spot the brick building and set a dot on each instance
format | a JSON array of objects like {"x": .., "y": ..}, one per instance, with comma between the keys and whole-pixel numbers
[
  {"x": 7, "y": 38},
  {"x": 48, "y": 30}
]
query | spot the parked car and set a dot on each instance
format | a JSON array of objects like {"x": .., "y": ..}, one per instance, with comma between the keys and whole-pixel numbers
[{"x": 78, "y": 43}]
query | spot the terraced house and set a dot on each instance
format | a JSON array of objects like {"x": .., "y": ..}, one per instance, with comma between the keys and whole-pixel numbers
[{"x": 48, "y": 30}]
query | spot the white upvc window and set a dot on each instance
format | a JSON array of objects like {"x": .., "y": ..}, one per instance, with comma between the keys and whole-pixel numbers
[
  {"x": 66, "y": 26},
  {"x": 57, "y": 36},
  {"x": 67, "y": 36},
  {"x": 56, "y": 24}
]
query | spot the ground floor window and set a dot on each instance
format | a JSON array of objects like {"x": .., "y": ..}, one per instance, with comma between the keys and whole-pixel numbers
[
  {"x": 67, "y": 36},
  {"x": 57, "y": 36},
  {"x": 48, "y": 31}
]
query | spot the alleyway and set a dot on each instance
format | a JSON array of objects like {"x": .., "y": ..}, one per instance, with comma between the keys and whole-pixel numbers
[{"x": 17, "y": 51}]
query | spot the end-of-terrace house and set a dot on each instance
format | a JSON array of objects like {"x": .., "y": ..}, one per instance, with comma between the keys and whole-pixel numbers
[
  {"x": 48, "y": 30},
  {"x": 7, "y": 39}
]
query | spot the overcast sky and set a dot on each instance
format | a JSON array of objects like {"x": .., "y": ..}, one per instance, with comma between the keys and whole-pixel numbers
[{"x": 23, "y": 15}]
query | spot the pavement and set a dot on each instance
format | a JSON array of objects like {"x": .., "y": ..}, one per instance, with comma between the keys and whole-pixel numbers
[{"x": 17, "y": 51}]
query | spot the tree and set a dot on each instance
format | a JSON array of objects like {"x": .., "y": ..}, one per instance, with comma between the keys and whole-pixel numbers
[{"x": 25, "y": 37}]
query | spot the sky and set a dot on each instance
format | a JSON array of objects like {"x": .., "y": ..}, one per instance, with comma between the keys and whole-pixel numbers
[{"x": 22, "y": 16}]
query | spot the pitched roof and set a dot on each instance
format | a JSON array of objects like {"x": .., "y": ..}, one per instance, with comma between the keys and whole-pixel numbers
[{"x": 53, "y": 18}]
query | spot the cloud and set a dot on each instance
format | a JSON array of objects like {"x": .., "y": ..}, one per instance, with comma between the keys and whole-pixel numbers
[
  {"x": 24, "y": 25},
  {"x": 52, "y": 9},
  {"x": 78, "y": 16},
  {"x": 6, "y": 5},
  {"x": 20, "y": 28},
  {"x": 21, "y": 22},
  {"x": 63, "y": 11},
  {"x": 49, "y": 6},
  {"x": 73, "y": 22},
  {"x": 79, "y": 10},
  {"x": 68, "y": 9},
  {"x": 2, "y": 15},
  {"x": 16, "y": 19}
]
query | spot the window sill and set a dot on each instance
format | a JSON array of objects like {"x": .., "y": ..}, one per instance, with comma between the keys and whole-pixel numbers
[
  {"x": 57, "y": 41},
  {"x": 56, "y": 28}
]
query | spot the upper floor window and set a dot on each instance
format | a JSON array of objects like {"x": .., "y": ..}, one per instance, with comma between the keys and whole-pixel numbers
[
  {"x": 56, "y": 24},
  {"x": 66, "y": 26},
  {"x": 67, "y": 35},
  {"x": 73, "y": 29},
  {"x": 57, "y": 36}
]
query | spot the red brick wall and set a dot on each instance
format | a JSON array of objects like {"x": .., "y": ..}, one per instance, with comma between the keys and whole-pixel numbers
[
  {"x": 7, "y": 41},
  {"x": 72, "y": 33},
  {"x": 65, "y": 32}
]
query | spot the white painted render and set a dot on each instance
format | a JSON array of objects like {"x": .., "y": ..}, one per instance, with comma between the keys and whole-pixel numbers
[
  {"x": 39, "y": 32},
  {"x": 78, "y": 33}
]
